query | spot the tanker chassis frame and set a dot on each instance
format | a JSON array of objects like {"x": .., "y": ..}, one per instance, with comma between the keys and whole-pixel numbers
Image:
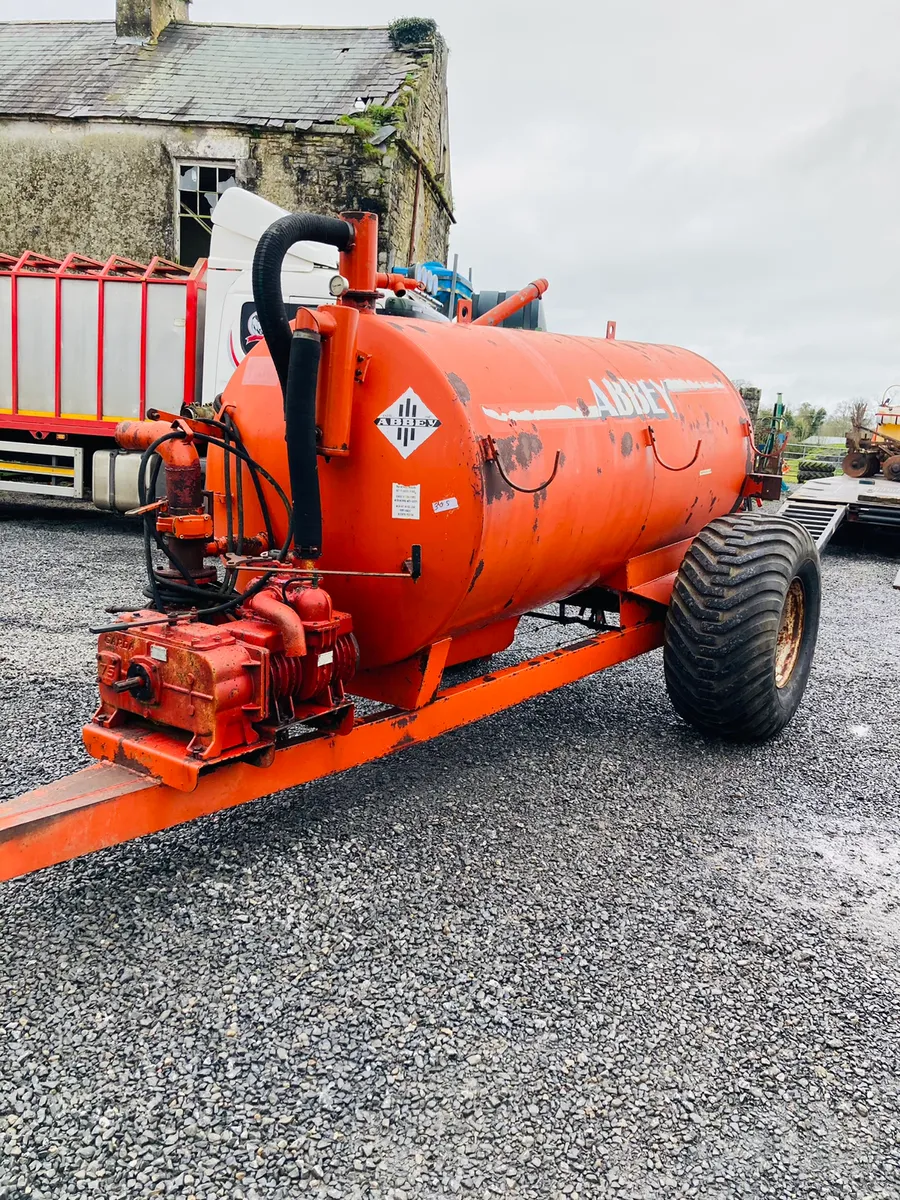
[{"x": 108, "y": 803}]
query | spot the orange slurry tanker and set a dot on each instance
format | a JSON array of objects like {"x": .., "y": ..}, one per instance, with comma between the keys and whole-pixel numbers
[{"x": 386, "y": 497}]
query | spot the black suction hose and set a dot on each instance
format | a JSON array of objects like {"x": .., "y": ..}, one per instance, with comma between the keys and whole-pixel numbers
[
  {"x": 267, "y": 263},
  {"x": 296, "y": 358},
  {"x": 300, "y": 435}
]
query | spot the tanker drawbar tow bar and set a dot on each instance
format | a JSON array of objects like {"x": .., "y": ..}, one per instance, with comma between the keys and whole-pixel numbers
[{"x": 387, "y": 497}]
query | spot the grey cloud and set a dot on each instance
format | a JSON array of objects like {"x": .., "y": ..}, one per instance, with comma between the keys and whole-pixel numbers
[{"x": 717, "y": 175}]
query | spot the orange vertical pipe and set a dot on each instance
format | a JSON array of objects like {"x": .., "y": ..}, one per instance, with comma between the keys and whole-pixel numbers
[{"x": 359, "y": 264}]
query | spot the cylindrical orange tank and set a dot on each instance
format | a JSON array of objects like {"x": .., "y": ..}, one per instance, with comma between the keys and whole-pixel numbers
[{"x": 417, "y": 472}]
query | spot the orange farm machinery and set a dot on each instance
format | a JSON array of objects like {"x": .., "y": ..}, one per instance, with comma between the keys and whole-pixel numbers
[
  {"x": 388, "y": 497},
  {"x": 878, "y": 449}
]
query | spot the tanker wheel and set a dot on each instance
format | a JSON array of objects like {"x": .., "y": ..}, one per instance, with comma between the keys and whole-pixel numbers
[
  {"x": 741, "y": 627},
  {"x": 890, "y": 468},
  {"x": 857, "y": 464}
]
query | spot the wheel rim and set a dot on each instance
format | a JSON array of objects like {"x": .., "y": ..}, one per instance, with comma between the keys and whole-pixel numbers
[
  {"x": 855, "y": 465},
  {"x": 790, "y": 633}
]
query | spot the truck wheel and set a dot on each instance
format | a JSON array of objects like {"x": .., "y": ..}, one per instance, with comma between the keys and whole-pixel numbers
[{"x": 741, "y": 627}]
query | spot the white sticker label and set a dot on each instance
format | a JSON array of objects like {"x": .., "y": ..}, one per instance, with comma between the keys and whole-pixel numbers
[
  {"x": 326, "y": 657},
  {"x": 407, "y": 423},
  {"x": 445, "y": 505},
  {"x": 405, "y": 502},
  {"x": 160, "y": 653}
]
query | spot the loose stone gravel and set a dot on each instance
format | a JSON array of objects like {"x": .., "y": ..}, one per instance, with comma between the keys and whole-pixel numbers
[{"x": 573, "y": 950}]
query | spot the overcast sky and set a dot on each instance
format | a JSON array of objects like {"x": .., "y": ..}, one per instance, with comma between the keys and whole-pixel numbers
[{"x": 718, "y": 174}]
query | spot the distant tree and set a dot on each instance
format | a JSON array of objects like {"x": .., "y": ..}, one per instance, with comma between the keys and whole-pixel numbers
[
  {"x": 850, "y": 417},
  {"x": 834, "y": 426},
  {"x": 807, "y": 421},
  {"x": 858, "y": 414}
]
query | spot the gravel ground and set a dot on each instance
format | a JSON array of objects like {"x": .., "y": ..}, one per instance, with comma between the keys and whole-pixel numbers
[{"x": 571, "y": 951}]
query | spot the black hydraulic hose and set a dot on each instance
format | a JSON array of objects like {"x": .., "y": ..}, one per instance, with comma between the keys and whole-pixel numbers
[
  {"x": 267, "y": 264},
  {"x": 270, "y": 479},
  {"x": 300, "y": 435},
  {"x": 171, "y": 590},
  {"x": 228, "y": 426}
]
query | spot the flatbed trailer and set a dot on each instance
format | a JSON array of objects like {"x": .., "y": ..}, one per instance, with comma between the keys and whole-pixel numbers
[{"x": 823, "y": 505}]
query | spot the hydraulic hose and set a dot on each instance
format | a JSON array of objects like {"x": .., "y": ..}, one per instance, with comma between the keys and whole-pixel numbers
[
  {"x": 267, "y": 264},
  {"x": 300, "y": 435}
]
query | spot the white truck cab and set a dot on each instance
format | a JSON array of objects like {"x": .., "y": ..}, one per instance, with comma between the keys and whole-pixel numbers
[{"x": 231, "y": 326}]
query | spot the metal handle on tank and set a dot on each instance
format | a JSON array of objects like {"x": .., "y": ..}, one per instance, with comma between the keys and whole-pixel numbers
[
  {"x": 666, "y": 465},
  {"x": 490, "y": 455}
]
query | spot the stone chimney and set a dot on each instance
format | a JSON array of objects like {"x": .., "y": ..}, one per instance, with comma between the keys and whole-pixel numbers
[{"x": 146, "y": 19}]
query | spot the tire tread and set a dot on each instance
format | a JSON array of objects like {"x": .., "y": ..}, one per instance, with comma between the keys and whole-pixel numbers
[{"x": 723, "y": 623}]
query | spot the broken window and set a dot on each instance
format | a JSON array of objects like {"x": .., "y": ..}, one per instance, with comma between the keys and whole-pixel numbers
[{"x": 199, "y": 187}]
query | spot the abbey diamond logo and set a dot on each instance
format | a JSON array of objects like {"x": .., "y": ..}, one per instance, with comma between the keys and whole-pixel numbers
[{"x": 407, "y": 423}]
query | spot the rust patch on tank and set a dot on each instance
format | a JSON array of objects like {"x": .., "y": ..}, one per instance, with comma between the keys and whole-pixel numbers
[
  {"x": 612, "y": 437},
  {"x": 515, "y": 453},
  {"x": 524, "y": 447},
  {"x": 495, "y": 486},
  {"x": 627, "y": 444},
  {"x": 476, "y": 576},
  {"x": 539, "y": 498},
  {"x": 582, "y": 407},
  {"x": 459, "y": 387}
]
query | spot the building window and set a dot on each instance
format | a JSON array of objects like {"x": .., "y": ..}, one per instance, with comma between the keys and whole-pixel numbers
[{"x": 199, "y": 186}]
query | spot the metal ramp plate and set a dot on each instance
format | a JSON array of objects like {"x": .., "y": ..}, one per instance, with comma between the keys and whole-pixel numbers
[{"x": 820, "y": 520}]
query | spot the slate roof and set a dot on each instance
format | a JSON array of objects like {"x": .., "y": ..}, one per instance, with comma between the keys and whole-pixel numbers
[{"x": 196, "y": 73}]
